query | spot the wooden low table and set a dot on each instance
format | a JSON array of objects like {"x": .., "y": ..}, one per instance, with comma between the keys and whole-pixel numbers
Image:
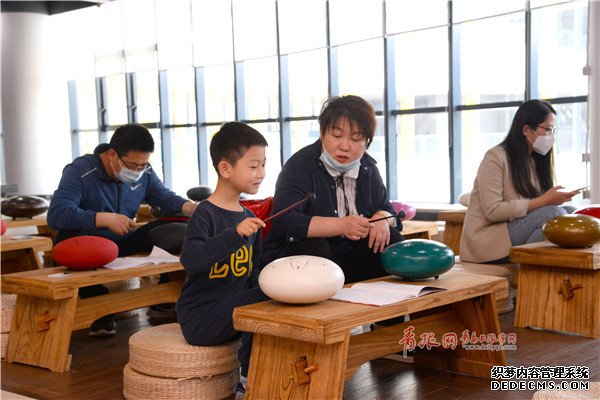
[
  {"x": 306, "y": 351},
  {"x": 453, "y": 227},
  {"x": 419, "y": 229},
  {"x": 559, "y": 288},
  {"x": 48, "y": 308},
  {"x": 21, "y": 253}
]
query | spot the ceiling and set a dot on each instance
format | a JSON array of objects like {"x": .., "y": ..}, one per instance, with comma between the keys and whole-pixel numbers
[{"x": 47, "y": 7}]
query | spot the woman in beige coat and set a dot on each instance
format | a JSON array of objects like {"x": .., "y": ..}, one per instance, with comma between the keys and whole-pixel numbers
[{"x": 514, "y": 194}]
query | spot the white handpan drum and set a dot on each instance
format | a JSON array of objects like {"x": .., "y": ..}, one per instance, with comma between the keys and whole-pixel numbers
[{"x": 301, "y": 279}]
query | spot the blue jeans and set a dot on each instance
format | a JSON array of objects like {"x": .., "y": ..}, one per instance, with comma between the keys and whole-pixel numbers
[{"x": 528, "y": 229}]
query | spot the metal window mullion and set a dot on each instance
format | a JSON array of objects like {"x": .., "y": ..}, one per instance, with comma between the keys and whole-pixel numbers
[
  {"x": 391, "y": 130},
  {"x": 328, "y": 45},
  {"x": 165, "y": 133},
  {"x": 132, "y": 98},
  {"x": 73, "y": 118},
  {"x": 102, "y": 110},
  {"x": 201, "y": 130},
  {"x": 454, "y": 116},
  {"x": 531, "y": 57},
  {"x": 285, "y": 131}
]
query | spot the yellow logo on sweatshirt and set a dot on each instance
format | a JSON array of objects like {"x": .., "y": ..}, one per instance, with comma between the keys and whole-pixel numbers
[{"x": 240, "y": 263}]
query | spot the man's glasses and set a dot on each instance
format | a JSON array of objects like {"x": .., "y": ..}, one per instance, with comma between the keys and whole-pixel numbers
[
  {"x": 551, "y": 129},
  {"x": 135, "y": 167}
]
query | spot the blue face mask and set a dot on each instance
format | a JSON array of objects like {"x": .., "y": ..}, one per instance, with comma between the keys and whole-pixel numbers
[{"x": 336, "y": 165}]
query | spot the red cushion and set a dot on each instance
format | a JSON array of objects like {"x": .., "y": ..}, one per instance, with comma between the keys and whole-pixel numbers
[
  {"x": 85, "y": 252},
  {"x": 262, "y": 209}
]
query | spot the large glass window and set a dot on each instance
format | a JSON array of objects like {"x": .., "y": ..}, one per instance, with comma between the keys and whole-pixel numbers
[
  {"x": 116, "y": 99},
  {"x": 449, "y": 98},
  {"x": 421, "y": 76},
  {"x": 307, "y": 79},
  {"x": 182, "y": 100},
  {"x": 352, "y": 20},
  {"x": 481, "y": 130},
  {"x": 494, "y": 72},
  {"x": 261, "y": 90},
  {"x": 359, "y": 70},
  {"x": 255, "y": 29},
  {"x": 423, "y": 162},
  {"x": 296, "y": 16}
]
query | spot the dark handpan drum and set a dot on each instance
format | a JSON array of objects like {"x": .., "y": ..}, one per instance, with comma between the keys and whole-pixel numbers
[{"x": 24, "y": 206}]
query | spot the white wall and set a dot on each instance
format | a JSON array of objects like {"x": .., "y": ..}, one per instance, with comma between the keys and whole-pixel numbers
[{"x": 35, "y": 115}]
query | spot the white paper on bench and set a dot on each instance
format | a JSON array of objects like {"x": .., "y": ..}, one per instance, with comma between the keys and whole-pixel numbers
[
  {"x": 156, "y": 256},
  {"x": 382, "y": 293}
]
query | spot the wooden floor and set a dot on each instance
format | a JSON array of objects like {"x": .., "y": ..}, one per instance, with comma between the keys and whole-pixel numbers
[{"x": 96, "y": 369}]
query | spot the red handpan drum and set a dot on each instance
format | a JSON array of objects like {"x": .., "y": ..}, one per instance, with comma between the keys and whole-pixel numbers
[
  {"x": 85, "y": 252},
  {"x": 593, "y": 210}
]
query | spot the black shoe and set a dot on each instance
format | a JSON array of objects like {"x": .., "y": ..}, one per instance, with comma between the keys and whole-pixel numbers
[
  {"x": 239, "y": 391},
  {"x": 161, "y": 311},
  {"x": 104, "y": 326}
]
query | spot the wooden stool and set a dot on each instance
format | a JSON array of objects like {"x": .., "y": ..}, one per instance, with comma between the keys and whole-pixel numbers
[
  {"x": 163, "y": 365},
  {"x": 453, "y": 228}
]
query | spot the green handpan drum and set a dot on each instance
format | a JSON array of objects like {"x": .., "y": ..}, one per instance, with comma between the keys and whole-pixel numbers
[{"x": 417, "y": 259}]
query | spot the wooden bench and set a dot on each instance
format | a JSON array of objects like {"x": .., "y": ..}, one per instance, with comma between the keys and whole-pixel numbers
[
  {"x": 307, "y": 352},
  {"x": 48, "y": 308},
  {"x": 41, "y": 224},
  {"x": 419, "y": 229},
  {"x": 22, "y": 253}
]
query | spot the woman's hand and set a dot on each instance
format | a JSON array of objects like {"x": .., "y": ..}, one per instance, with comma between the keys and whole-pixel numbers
[
  {"x": 355, "y": 227},
  {"x": 249, "y": 226},
  {"x": 379, "y": 235},
  {"x": 554, "y": 197}
]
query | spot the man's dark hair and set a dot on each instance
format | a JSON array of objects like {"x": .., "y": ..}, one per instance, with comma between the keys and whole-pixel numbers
[
  {"x": 356, "y": 109},
  {"x": 232, "y": 141},
  {"x": 132, "y": 137}
]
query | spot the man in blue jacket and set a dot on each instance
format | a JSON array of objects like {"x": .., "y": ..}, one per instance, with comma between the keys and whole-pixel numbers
[{"x": 99, "y": 194}]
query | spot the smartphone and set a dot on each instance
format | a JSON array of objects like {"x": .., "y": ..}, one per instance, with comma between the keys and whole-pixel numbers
[{"x": 574, "y": 190}]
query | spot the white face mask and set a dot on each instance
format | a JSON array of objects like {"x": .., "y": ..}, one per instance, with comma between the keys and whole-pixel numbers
[
  {"x": 335, "y": 164},
  {"x": 127, "y": 175},
  {"x": 543, "y": 144}
]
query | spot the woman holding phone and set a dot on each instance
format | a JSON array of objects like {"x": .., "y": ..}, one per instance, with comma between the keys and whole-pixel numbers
[{"x": 514, "y": 192}]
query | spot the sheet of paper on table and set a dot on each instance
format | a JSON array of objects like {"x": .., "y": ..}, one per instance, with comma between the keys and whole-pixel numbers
[
  {"x": 382, "y": 293},
  {"x": 156, "y": 256}
]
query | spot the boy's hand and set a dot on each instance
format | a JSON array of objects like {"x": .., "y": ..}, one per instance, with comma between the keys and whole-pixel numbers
[{"x": 249, "y": 226}]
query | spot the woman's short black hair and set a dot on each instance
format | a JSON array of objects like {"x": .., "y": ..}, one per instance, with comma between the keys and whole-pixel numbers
[
  {"x": 232, "y": 141},
  {"x": 356, "y": 109},
  {"x": 132, "y": 137}
]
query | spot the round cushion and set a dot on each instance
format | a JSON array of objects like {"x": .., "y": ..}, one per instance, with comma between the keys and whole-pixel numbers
[
  {"x": 24, "y": 206},
  {"x": 138, "y": 386},
  {"x": 199, "y": 193},
  {"x": 301, "y": 279},
  {"x": 2, "y": 227},
  {"x": 168, "y": 237},
  {"x": 162, "y": 351},
  {"x": 417, "y": 259},
  {"x": 408, "y": 210},
  {"x": 85, "y": 252},
  {"x": 593, "y": 210},
  {"x": 464, "y": 199},
  {"x": 572, "y": 230}
]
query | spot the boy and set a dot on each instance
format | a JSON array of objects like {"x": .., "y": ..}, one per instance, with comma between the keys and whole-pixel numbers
[{"x": 222, "y": 246}]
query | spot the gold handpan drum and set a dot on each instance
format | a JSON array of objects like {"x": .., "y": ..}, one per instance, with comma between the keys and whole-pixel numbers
[{"x": 572, "y": 230}]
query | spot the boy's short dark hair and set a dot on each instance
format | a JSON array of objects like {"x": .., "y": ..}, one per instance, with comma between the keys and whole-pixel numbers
[
  {"x": 356, "y": 109},
  {"x": 132, "y": 137},
  {"x": 231, "y": 142}
]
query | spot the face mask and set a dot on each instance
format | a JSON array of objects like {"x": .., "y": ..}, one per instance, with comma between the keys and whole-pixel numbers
[
  {"x": 543, "y": 144},
  {"x": 336, "y": 165},
  {"x": 127, "y": 175}
]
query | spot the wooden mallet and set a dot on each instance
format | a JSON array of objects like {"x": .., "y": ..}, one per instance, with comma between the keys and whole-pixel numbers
[{"x": 309, "y": 197}]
